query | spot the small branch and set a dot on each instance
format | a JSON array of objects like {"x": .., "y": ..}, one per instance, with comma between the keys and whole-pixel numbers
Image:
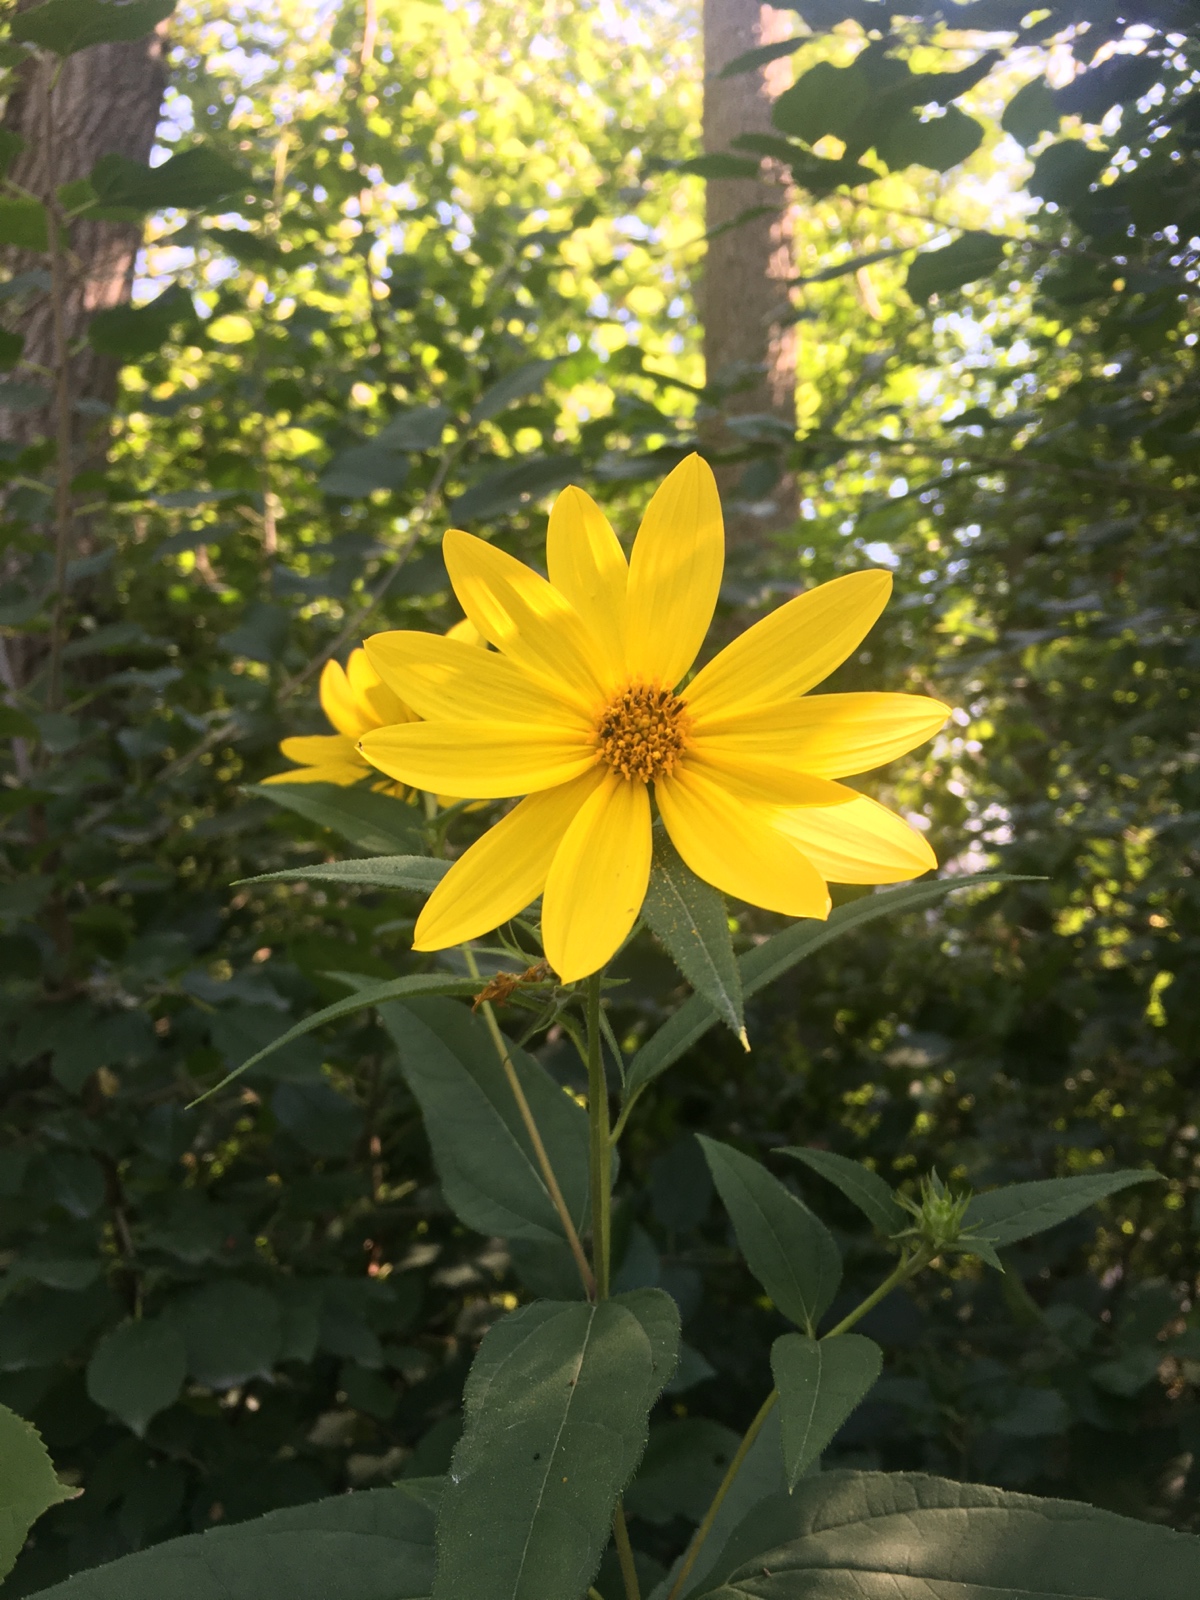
[
  {"x": 63, "y": 518},
  {"x": 629, "y": 1577},
  {"x": 535, "y": 1137}
]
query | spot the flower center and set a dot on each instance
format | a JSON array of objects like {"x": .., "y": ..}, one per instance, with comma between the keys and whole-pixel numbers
[{"x": 643, "y": 732}]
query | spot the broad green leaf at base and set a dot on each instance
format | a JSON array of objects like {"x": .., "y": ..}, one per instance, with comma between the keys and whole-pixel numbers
[
  {"x": 906, "y": 1536},
  {"x": 375, "y": 1545},
  {"x": 556, "y": 1406}
]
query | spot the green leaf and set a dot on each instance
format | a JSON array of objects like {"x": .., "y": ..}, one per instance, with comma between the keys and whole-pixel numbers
[
  {"x": 133, "y": 331},
  {"x": 789, "y": 1251},
  {"x": 362, "y": 469},
  {"x": 11, "y": 146},
  {"x": 556, "y": 1407},
  {"x": 819, "y": 1383},
  {"x": 972, "y": 256},
  {"x": 690, "y": 919},
  {"x": 762, "y": 56},
  {"x": 487, "y": 1166},
  {"x": 939, "y": 143},
  {"x": 1065, "y": 172},
  {"x": 1002, "y": 1216},
  {"x": 720, "y": 164},
  {"x": 137, "y": 1370},
  {"x": 862, "y": 1187},
  {"x": 379, "y": 823},
  {"x": 510, "y": 488},
  {"x": 420, "y": 428},
  {"x": 778, "y": 955},
  {"x": 232, "y": 1332},
  {"x": 419, "y": 983},
  {"x": 11, "y": 347},
  {"x": 684, "y": 1463},
  {"x": 1031, "y": 112},
  {"x": 15, "y": 724},
  {"x": 891, "y": 1536},
  {"x": 516, "y": 385},
  {"x": 420, "y": 873},
  {"x": 23, "y": 223},
  {"x": 28, "y": 1485},
  {"x": 760, "y": 1479},
  {"x": 374, "y": 1545},
  {"x": 825, "y": 99},
  {"x": 193, "y": 179},
  {"x": 658, "y": 1314},
  {"x": 65, "y": 26}
]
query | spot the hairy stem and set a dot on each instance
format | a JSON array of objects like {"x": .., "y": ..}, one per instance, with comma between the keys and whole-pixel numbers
[
  {"x": 710, "y": 1516},
  {"x": 535, "y": 1137},
  {"x": 601, "y": 1143},
  {"x": 907, "y": 1267}
]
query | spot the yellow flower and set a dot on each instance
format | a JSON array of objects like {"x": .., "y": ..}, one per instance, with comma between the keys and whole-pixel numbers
[
  {"x": 356, "y": 701},
  {"x": 583, "y": 708}
]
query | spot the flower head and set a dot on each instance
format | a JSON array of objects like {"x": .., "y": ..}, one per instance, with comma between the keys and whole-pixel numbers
[
  {"x": 585, "y": 709},
  {"x": 356, "y": 700}
]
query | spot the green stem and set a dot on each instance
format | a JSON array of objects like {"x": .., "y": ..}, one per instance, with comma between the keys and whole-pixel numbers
[
  {"x": 629, "y": 1575},
  {"x": 535, "y": 1137},
  {"x": 710, "y": 1516},
  {"x": 626, "y": 1110},
  {"x": 601, "y": 1142},
  {"x": 907, "y": 1267}
]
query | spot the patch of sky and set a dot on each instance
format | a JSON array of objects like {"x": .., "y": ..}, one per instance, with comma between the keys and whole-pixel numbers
[
  {"x": 881, "y": 554},
  {"x": 898, "y": 488}
]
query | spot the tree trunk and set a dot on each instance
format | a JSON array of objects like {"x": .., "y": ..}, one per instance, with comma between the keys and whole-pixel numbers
[
  {"x": 743, "y": 292},
  {"x": 107, "y": 99}
]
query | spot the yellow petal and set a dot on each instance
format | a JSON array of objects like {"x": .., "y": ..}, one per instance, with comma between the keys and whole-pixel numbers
[
  {"x": 525, "y": 617},
  {"x": 447, "y": 678},
  {"x": 674, "y": 575},
  {"x": 586, "y": 563},
  {"x": 467, "y": 632},
  {"x": 766, "y": 782},
  {"x": 343, "y": 773},
  {"x": 504, "y": 871},
  {"x": 732, "y": 844},
  {"x": 339, "y": 702},
  {"x": 597, "y": 880},
  {"x": 478, "y": 760},
  {"x": 827, "y": 735},
  {"x": 379, "y": 704},
  {"x": 794, "y": 648},
  {"x": 319, "y": 749},
  {"x": 862, "y": 842}
]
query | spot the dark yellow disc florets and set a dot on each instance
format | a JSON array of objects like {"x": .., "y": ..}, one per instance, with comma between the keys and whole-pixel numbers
[{"x": 643, "y": 732}]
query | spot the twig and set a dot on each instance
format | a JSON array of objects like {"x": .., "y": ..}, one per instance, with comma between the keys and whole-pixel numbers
[{"x": 62, "y": 407}]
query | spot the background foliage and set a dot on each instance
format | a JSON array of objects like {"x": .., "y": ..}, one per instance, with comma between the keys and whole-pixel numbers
[{"x": 436, "y": 285}]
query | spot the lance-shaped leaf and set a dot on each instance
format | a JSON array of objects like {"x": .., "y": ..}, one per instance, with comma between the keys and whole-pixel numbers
[
  {"x": 421, "y": 873},
  {"x": 418, "y": 983},
  {"x": 515, "y": 385},
  {"x": 556, "y": 1408},
  {"x": 779, "y": 954},
  {"x": 789, "y": 1251},
  {"x": 484, "y": 1157},
  {"x": 28, "y": 1485},
  {"x": 862, "y": 1187},
  {"x": 820, "y": 1382},
  {"x": 1002, "y": 1216},
  {"x": 376, "y": 822},
  {"x": 906, "y": 1536},
  {"x": 374, "y": 1545},
  {"x": 690, "y": 919}
]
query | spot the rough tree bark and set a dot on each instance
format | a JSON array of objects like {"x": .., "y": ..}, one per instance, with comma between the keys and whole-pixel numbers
[
  {"x": 742, "y": 287},
  {"x": 107, "y": 99}
]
